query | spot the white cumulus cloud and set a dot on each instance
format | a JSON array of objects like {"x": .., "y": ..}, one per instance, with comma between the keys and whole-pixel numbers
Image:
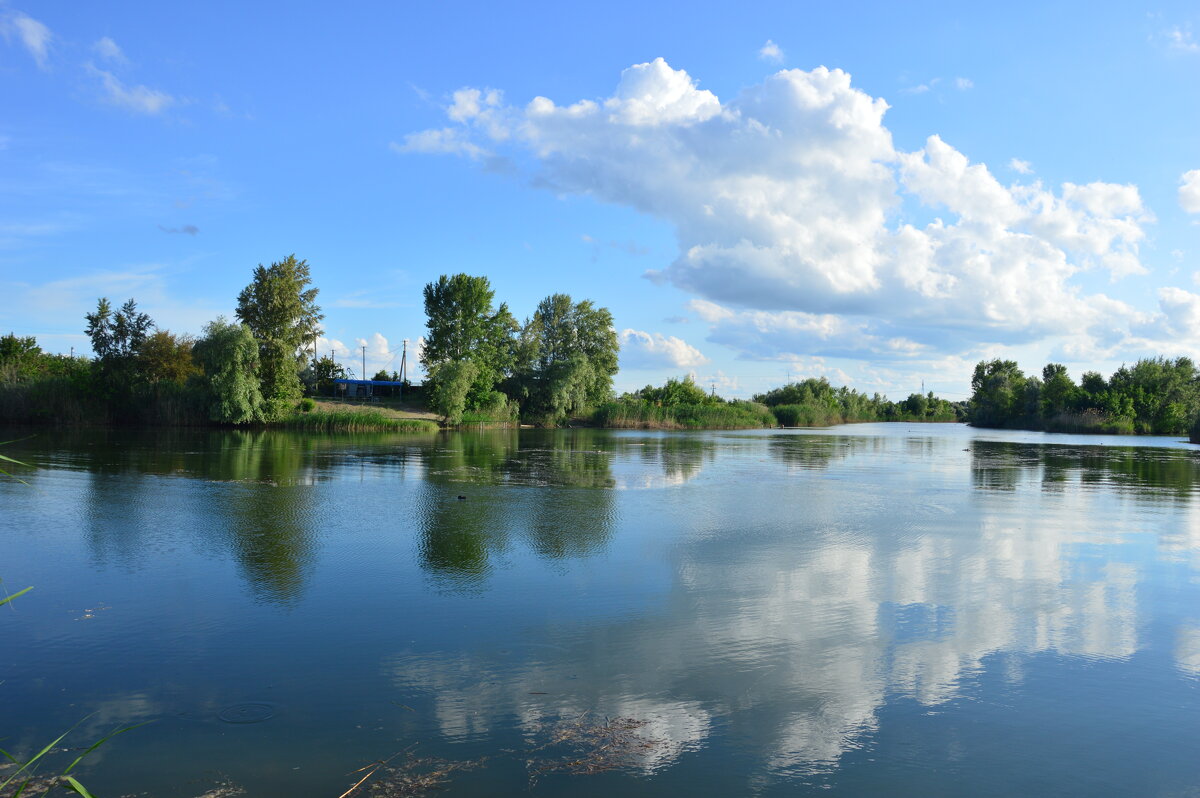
[
  {"x": 1189, "y": 191},
  {"x": 789, "y": 204},
  {"x": 654, "y": 350},
  {"x": 1020, "y": 167}
]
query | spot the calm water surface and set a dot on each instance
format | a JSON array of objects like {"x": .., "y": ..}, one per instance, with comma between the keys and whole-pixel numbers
[{"x": 870, "y": 610}]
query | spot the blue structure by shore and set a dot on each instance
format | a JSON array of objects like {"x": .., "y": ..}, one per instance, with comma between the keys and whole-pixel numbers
[{"x": 365, "y": 389}]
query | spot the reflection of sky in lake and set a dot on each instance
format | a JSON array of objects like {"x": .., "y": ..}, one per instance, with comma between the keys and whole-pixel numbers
[{"x": 925, "y": 608}]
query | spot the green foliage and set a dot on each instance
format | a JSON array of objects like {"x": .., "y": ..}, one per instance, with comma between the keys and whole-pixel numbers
[
  {"x": 228, "y": 354},
  {"x": 449, "y": 384},
  {"x": 567, "y": 356},
  {"x": 318, "y": 377},
  {"x": 18, "y": 354},
  {"x": 815, "y": 403},
  {"x": 1155, "y": 395},
  {"x": 117, "y": 340},
  {"x": 281, "y": 312},
  {"x": 166, "y": 357},
  {"x": 631, "y": 412},
  {"x": 676, "y": 392},
  {"x": 463, "y": 326},
  {"x": 307, "y": 405}
]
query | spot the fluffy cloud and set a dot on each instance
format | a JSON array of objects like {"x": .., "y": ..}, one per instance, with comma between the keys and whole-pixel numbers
[
  {"x": 33, "y": 35},
  {"x": 1189, "y": 191},
  {"x": 795, "y": 215},
  {"x": 771, "y": 52},
  {"x": 655, "y": 350}
]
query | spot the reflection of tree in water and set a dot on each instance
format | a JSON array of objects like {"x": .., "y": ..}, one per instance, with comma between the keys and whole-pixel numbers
[
  {"x": 681, "y": 455},
  {"x": 1001, "y": 465},
  {"x": 269, "y": 532},
  {"x": 812, "y": 452},
  {"x": 560, "y": 505},
  {"x": 254, "y": 499}
]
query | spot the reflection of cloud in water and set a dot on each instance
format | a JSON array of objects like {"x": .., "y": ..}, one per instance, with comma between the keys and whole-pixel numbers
[
  {"x": 472, "y": 697},
  {"x": 1187, "y": 648},
  {"x": 847, "y": 598}
]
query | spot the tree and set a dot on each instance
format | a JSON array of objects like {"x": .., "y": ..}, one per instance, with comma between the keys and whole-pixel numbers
[
  {"x": 998, "y": 393},
  {"x": 228, "y": 353},
  {"x": 18, "y": 356},
  {"x": 117, "y": 338},
  {"x": 450, "y": 382},
  {"x": 1058, "y": 391},
  {"x": 463, "y": 326},
  {"x": 281, "y": 312},
  {"x": 166, "y": 357},
  {"x": 569, "y": 356}
]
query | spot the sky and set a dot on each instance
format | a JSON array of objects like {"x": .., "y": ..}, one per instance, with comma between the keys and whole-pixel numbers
[{"x": 877, "y": 194}]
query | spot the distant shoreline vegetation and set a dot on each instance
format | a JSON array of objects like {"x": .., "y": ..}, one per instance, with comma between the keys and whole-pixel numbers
[
  {"x": 1154, "y": 396},
  {"x": 485, "y": 368}
]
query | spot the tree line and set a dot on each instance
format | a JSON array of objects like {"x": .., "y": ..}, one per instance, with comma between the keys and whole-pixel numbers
[
  {"x": 254, "y": 368},
  {"x": 1156, "y": 396}
]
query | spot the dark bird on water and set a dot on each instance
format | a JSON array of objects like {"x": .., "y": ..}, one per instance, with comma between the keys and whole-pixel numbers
[{"x": 462, "y": 498}]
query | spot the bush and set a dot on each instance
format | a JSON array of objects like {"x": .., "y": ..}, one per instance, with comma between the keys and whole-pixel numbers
[{"x": 307, "y": 405}]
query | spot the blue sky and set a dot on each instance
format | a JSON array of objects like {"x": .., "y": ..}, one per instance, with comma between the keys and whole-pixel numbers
[{"x": 878, "y": 194}]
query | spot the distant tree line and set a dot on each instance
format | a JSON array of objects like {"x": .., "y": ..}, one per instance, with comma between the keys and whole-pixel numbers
[
  {"x": 252, "y": 369},
  {"x": 1153, "y": 396},
  {"x": 680, "y": 403}
]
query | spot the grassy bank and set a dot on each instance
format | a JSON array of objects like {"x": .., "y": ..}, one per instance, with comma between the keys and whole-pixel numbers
[
  {"x": 355, "y": 421},
  {"x": 626, "y": 414}
]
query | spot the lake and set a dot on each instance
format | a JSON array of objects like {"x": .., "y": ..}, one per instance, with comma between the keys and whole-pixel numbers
[{"x": 876, "y": 609}]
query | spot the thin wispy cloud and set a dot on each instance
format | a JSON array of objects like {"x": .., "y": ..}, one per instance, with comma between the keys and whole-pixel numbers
[
  {"x": 1180, "y": 40},
  {"x": 962, "y": 84},
  {"x": 109, "y": 50},
  {"x": 34, "y": 36},
  {"x": 187, "y": 229},
  {"x": 1020, "y": 167},
  {"x": 139, "y": 99}
]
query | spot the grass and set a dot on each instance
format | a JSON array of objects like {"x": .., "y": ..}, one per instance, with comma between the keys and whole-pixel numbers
[
  {"x": 644, "y": 415},
  {"x": 355, "y": 421}
]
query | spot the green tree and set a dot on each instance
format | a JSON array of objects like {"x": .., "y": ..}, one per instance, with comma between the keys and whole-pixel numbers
[
  {"x": 19, "y": 356},
  {"x": 117, "y": 339},
  {"x": 569, "y": 356},
  {"x": 1058, "y": 390},
  {"x": 228, "y": 353},
  {"x": 450, "y": 383},
  {"x": 166, "y": 357},
  {"x": 281, "y": 312},
  {"x": 998, "y": 394},
  {"x": 464, "y": 326}
]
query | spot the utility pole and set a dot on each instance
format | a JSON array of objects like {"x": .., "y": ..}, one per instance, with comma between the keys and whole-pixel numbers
[
  {"x": 403, "y": 360},
  {"x": 364, "y": 362}
]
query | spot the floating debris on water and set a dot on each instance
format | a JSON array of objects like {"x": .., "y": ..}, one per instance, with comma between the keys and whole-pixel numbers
[
  {"x": 587, "y": 746},
  {"x": 248, "y": 712}
]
